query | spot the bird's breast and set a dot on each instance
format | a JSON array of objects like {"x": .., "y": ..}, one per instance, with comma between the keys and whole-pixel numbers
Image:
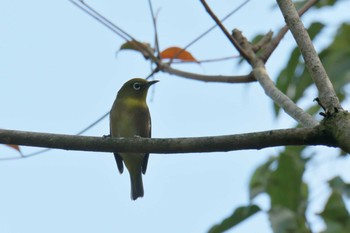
[{"x": 129, "y": 118}]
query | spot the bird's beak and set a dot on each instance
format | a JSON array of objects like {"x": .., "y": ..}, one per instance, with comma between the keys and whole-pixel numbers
[{"x": 150, "y": 83}]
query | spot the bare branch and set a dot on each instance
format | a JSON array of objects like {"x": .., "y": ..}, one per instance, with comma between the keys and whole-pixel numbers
[
  {"x": 209, "y": 30},
  {"x": 224, "y": 30},
  {"x": 325, "y": 88},
  {"x": 90, "y": 11},
  {"x": 208, "y": 78},
  {"x": 260, "y": 73},
  {"x": 205, "y": 60},
  {"x": 154, "y": 20},
  {"x": 259, "y": 140},
  {"x": 161, "y": 66},
  {"x": 281, "y": 99},
  {"x": 275, "y": 42},
  {"x": 114, "y": 28}
]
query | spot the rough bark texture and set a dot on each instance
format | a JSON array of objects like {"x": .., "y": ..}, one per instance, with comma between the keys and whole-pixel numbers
[
  {"x": 338, "y": 125},
  {"x": 258, "y": 140}
]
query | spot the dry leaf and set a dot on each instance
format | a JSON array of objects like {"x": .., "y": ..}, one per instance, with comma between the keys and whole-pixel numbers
[
  {"x": 177, "y": 53},
  {"x": 144, "y": 48}
]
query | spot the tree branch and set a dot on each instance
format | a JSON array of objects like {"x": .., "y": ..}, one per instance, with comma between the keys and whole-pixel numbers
[
  {"x": 259, "y": 72},
  {"x": 276, "y": 40},
  {"x": 327, "y": 94},
  {"x": 208, "y": 78},
  {"x": 224, "y": 30},
  {"x": 258, "y": 140},
  {"x": 281, "y": 99}
]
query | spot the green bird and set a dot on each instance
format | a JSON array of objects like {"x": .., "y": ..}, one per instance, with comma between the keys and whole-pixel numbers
[{"x": 130, "y": 117}]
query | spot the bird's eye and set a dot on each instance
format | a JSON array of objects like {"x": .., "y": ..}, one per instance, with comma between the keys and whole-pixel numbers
[{"x": 136, "y": 86}]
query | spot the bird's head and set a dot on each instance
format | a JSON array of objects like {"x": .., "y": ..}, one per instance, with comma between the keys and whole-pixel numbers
[{"x": 135, "y": 88}]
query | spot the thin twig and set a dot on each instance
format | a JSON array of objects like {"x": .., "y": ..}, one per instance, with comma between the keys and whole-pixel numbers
[
  {"x": 107, "y": 20},
  {"x": 206, "y": 60},
  {"x": 208, "y": 78},
  {"x": 45, "y": 150},
  {"x": 154, "y": 71},
  {"x": 110, "y": 27},
  {"x": 154, "y": 20},
  {"x": 114, "y": 28},
  {"x": 224, "y": 30},
  {"x": 165, "y": 67},
  {"x": 209, "y": 30}
]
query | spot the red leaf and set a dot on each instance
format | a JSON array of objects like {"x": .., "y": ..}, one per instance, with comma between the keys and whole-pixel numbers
[{"x": 177, "y": 53}]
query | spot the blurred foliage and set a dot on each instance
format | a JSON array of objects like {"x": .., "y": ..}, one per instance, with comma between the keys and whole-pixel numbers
[
  {"x": 335, "y": 213},
  {"x": 281, "y": 176},
  {"x": 294, "y": 79},
  {"x": 240, "y": 214}
]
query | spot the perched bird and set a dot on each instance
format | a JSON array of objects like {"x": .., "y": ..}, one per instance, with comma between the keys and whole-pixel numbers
[{"x": 130, "y": 117}]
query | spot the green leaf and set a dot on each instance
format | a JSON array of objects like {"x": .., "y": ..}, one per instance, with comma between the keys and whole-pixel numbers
[
  {"x": 259, "y": 179},
  {"x": 283, "y": 220},
  {"x": 320, "y": 3},
  {"x": 285, "y": 183},
  {"x": 323, "y": 3},
  {"x": 334, "y": 227},
  {"x": 238, "y": 216},
  {"x": 338, "y": 184},
  {"x": 288, "y": 193},
  {"x": 336, "y": 59},
  {"x": 335, "y": 209},
  {"x": 314, "y": 29},
  {"x": 335, "y": 214}
]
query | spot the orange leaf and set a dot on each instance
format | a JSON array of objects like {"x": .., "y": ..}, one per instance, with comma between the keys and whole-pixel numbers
[{"x": 177, "y": 53}]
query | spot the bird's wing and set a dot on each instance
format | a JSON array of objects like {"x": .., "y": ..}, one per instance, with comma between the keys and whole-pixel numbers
[
  {"x": 144, "y": 163},
  {"x": 119, "y": 161},
  {"x": 145, "y": 160}
]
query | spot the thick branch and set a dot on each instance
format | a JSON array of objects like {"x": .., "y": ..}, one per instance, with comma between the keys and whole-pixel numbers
[
  {"x": 327, "y": 94},
  {"x": 259, "y": 140},
  {"x": 275, "y": 42}
]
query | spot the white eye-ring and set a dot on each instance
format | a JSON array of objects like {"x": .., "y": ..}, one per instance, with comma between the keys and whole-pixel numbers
[{"x": 136, "y": 86}]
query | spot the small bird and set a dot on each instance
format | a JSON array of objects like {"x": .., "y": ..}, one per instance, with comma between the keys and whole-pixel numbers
[{"x": 130, "y": 117}]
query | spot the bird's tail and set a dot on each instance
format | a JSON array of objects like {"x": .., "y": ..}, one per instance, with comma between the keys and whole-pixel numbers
[{"x": 136, "y": 185}]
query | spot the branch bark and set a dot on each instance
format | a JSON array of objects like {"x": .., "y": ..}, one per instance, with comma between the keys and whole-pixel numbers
[
  {"x": 208, "y": 78},
  {"x": 224, "y": 30},
  {"x": 281, "y": 99},
  {"x": 261, "y": 75},
  {"x": 275, "y": 42},
  {"x": 258, "y": 140},
  {"x": 327, "y": 94}
]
